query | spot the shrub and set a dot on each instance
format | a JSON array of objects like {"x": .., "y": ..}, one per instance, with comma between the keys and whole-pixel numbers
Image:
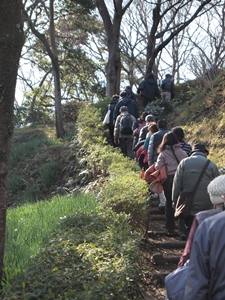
[
  {"x": 126, "y": 192},
  {"x": 70, "y": 110},
  {"x": 159, "y": 108},
  {"x": 89, "y": 127},
  {"x": 48, "y": 173}
]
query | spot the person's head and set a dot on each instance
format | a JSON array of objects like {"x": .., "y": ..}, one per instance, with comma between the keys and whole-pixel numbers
[
  {"x": 162, "y": 124},
  {"x": 151, "y": 75},
  {"x": 168, "y": 76},
  {"x": 123, "y": 109},
  {"x": 200, "y": 148},
  {"x": 128, "y": 88},
  {"x": 115, "y": 97},
  {"x": 143, "y": 115},
  {"x": 169, "y": 139},
  {"x": 179, "y": 133},
  {"x": 152, "y": 127},
  {"x": 149, "y": 118},
  {"x": 216, "y": 190},
  {"x": 125, "y": 93}
]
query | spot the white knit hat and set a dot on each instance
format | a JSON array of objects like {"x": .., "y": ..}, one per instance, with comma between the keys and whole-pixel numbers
[{"x": 216, "y": 189}]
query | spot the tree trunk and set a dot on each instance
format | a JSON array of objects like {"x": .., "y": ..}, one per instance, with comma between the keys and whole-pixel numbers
[
  {"x": 112, "y": 29},
  {"x": 11, "y": 42},
  {"x": 60, "y": 132}
]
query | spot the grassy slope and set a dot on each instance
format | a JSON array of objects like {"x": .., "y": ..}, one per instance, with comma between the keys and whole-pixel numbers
[{"x": 203, "y": 119}]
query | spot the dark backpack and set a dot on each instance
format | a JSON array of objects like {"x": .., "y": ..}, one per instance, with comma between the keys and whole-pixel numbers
[{"x": 126, "y": 124}]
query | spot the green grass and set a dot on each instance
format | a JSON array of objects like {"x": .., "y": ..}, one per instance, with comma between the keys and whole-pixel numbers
[{"x": 29, "y": 225}]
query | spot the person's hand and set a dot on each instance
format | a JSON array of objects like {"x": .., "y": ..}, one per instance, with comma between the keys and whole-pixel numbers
[{"x": 116, "y": 141}]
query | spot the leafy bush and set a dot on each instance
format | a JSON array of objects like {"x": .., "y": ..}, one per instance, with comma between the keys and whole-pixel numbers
[
  {"x": 70, "y": 110},
  {"x": 126, "y": 192},
  {"x": 89, "y": 127},
  {"x": 159, "y": 108},
  {"x": 48, "y": 173},
  {"x": 88, "y": 257}
]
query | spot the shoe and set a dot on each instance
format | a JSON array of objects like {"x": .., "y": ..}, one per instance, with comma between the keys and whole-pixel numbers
[
  {"x": 154, "y": 196},
  {"x": 161, "y": 207},
  {"x": 171, "y": 233},
  {"x": 183, "y": 236}
]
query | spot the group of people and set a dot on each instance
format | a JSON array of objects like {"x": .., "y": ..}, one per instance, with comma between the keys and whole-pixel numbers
[
  {"x": 149, "y": 90},
  {"x": 163, "y": 152}
]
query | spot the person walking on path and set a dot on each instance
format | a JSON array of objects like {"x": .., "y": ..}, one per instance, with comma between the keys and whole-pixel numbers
[
  {"x": 187, "y": 148},
  {"x": 124, "y": 140},
  {"x": 125, "y": 100},
  {"x": 149, "y": 90},
  {"x": 206, "y": 272},
  {"x": 167, "y": 87},
  {"x": 170, "y": 155},
  {"x": 111, "y": 107},
  {"x": 155, "y": 141},
  {"x": 186, "y": 176},
  {"x": 216, "y": 190}
]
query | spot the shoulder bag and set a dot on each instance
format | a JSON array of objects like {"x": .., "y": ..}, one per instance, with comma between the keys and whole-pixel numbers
[
  {"x": 185, "y": 199},
  {"x": 107, "y": 116}
]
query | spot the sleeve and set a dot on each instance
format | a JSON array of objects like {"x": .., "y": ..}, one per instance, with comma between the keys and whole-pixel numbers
[
  {"x": 177, "y": 183},
  {"x": 135, "y": 125},
  {"x": 151, "y": 151},
  {"x": 198, "y": 277},
  {"x": 146, "y": 143},
  {"x": 136, "y": 111},
  {"x": 160, "y": 161},
  {"x": 157, "y": 94},
  {"x": 116, "y": 112},
  {"x": 187, "y": 250},
  {"x": 116, "y": 128}
]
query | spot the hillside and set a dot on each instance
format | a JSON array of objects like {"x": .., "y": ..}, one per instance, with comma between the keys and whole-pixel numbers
[
  {"x": 198, "y": 108},
  {"x": 203, "y": 121}
]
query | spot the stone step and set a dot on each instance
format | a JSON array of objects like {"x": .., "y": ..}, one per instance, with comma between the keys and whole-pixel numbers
[
  {"x": 168, "y": 245},
  {"x": 159, "y": 217},
  {"x": 156, "y": 211},
  {"x": 160, "y": 259}
]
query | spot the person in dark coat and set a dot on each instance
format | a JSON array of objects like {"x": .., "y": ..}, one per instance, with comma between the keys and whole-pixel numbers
[
  {"x": 167, "y": 88},
  {"x": 132, "y": 96},
  {"x": 111, "y": 107},
  {"x": 149, "y": 90},
  {"x": 125, "y": 100}
]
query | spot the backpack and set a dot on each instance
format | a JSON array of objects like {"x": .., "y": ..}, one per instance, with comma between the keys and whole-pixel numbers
[{"x": 126, "y": 124}]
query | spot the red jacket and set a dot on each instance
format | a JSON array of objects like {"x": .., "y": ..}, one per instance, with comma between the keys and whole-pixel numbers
[{"x": 155, "y": 178}]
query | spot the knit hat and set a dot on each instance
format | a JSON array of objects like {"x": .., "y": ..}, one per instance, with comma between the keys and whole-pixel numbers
[
  {"x": 123, "y": 108},
  {"x": 216, "y": 189},
  {"x": 149, "y": 118}
]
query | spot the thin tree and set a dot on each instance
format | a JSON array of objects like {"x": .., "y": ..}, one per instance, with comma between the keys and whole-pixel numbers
[
  {"x": 50, "y": 46},
  {"x": 12, "y": 39}
]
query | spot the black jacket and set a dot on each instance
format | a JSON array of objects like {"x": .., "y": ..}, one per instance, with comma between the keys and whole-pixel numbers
[
  {"x": 149, "y": 89},
  {"x": 132, "y": 107}
]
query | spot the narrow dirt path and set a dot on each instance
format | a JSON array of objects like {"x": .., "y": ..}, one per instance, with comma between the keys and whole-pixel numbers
[{"x": 161, "y": 253}]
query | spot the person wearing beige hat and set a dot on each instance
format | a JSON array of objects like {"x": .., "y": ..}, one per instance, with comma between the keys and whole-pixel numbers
[
  {"x": 216, "y": 190},
  {"x": 206, "y": 272}
]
